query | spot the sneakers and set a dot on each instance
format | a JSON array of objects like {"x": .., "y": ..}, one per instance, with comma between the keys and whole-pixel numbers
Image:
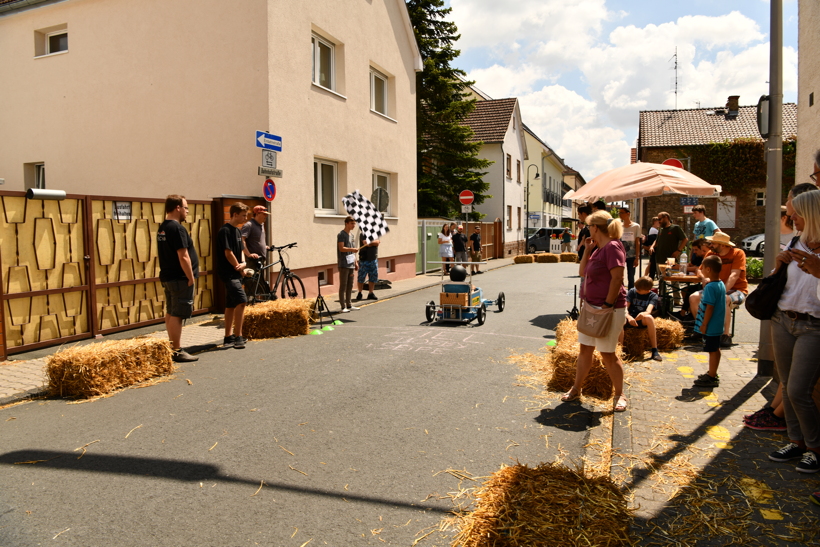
[
  {"x": 239, "y": 343},
  {"x": 789, "y": 452},
  {"x": 766, "y": 421},
  {"x": 345, "y": 310},
  {"x": 351, "y": 308},
  {"x": 815, "y": 497},
  {"x": 656, "y": 356},
  {"x": 359, "y": 296},
  {"x": 808, "y": 463},
  {"x": 764, "y": 410},
  {"x": 704, "y": 380},
  {"x": 725, "y": 341},
  {"x": 229, "y": 340},
  {"x": 372, "y": 296},
  {"x": 182, "y": 356}
]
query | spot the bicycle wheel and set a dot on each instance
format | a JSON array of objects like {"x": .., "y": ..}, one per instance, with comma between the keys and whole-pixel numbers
[
  {"x": 292, "y": 287},
  {"x": 260, "y": 294}
]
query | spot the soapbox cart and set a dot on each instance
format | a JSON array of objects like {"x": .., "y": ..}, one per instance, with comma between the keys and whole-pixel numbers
[{"x": 460, "y": 301}]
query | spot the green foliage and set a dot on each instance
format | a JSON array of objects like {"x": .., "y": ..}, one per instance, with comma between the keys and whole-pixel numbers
[
  {"x": 754, "y": 267},
  {"x": 739, "y": 165},
  {"x": 447, "y": 160}
]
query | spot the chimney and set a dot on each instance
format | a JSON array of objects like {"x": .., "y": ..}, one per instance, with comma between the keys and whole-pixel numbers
[{"x": 732, "y": 106}]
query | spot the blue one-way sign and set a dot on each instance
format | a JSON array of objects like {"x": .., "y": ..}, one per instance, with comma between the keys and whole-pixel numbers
[{"x": 268, "y": 141}]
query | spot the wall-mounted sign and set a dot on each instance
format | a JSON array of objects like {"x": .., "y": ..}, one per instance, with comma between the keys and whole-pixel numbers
[{"x": 122, "y": 210}]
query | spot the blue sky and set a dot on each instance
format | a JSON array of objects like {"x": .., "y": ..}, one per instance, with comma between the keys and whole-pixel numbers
[{"x": 583, "y": 69}]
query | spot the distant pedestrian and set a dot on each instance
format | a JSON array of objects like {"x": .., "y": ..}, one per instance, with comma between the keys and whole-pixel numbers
[
  {"x": 704, "y": 227},
  {"x": 253, "y": 235},
  {"x": 631, "y": 240},
  {"x": 346, "y": 253},
  {"x": 648, "y": 241},
  {"x": 460, "y": 246},
  {"x": 178, "y": 270},
  {"x": 368, "y": 266},
  {"x": 475, "y": 250},
  {"x": 583, "y": 233},
  {"x": 230, "y": 266},
  {"x": 566, "y": 241},
  {"x": 445, "y": 247}
]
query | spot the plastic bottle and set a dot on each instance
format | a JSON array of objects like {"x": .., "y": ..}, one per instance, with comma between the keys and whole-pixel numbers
[{"x": 684, "y": 261}]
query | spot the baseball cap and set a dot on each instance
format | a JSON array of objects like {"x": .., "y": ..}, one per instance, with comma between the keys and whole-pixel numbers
[{"x": 260, "y": 209}]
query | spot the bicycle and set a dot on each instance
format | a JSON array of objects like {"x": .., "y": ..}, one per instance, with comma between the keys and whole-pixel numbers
[{"x": 258, "y": 290}]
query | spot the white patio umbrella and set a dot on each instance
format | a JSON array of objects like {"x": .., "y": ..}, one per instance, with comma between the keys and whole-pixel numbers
[{"x": 640, "y": 180}]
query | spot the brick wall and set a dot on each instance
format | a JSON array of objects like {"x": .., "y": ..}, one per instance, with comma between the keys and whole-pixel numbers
[{"x": 750, "y": 219}]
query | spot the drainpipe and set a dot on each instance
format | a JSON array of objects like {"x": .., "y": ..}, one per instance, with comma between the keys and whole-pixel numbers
[{"x": 503, "y": 200}]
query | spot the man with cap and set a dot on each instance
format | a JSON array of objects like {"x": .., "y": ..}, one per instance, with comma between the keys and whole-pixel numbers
[
  {"x": 253, "y": 234},
  {"x": 733, "y": 275},
  {"x": 631, "y": 239}
]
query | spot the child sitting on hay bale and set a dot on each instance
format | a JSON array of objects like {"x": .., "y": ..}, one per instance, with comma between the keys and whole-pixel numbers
[{"x": 641, "y": 304}]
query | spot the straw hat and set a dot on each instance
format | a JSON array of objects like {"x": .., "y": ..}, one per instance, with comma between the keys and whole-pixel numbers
[{"x": 721, "y": 238}]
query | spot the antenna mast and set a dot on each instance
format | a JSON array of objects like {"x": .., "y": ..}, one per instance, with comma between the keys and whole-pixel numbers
[{"x": 675, "y": 57}]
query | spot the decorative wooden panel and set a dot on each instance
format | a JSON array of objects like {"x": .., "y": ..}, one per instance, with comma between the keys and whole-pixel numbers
[
  {"x": 42, "y": 250},
  {"x": 127, "y": 267}
]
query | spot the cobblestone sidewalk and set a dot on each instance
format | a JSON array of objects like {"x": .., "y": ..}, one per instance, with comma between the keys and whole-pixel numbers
[{"x": 695, "y": 474}]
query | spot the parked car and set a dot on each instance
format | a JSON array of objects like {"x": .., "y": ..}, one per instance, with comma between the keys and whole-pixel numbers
[
  {"x": 540, "y": 240},
  {"x": 753, "y": 245}
]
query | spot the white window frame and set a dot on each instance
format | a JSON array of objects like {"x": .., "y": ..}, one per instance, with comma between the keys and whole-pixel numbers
[
  {"x": 317, "y": 186},
  {"x": 377, "y": 174},
  {"x": 40, "y": 176},
  {"x": 316, "y": 40},
  {"x": 760, "y": 197},
  {"x": 374, "y": 74},
  {"x": 48, "y": 42}
]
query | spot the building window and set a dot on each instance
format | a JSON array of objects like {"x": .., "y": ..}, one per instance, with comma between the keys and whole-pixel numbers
[
  {"x": 811, "y": 98},
  {"x": 518, "y": 170},
  {"x": 519, "y": 218},
  {"x": 323, "y": 63},
  {"x": 324, "y": 181},
  {"x": 509, "y": 217},
  {"x": 509, "y": 166},
  {"x": 40, "y": 176},
  {"x": 57, "y": 42},
  {"x": 760, "y": 197},
  {"x": 390, "y": 265},
  {"x": 381, "y": 191},
  {"x": 378, "y": 92},
  {"x": 51, "y": 40},
  {"x": 726, "y": 212}
]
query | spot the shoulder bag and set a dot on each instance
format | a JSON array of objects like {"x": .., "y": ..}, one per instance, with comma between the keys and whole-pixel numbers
[
  {"x": 594, "y": 321},
  {"x": 762, "y": 302}
]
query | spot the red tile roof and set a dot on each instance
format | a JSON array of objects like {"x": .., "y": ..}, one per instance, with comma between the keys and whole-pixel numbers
[
  {"x": 490, "y": 119},
  {"x": 660, "y": 128}
]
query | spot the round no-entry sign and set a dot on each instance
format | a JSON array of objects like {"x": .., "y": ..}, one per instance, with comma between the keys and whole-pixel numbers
[
  {"x": 269, "y": 188},
  {"x": 674, "y": 162},
  {"x": 466, "y": 197}
]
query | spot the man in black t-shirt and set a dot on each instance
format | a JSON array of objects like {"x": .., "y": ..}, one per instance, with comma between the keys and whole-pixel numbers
[
  {"x": 460, "y": 246},
  {"x": 368, "y": 266},
  {"x": 475, "y": 249},
  {"x": 178, "y": 269},
  {"x": 583, "y": 212},
  {"x": 230, "y": 267}
]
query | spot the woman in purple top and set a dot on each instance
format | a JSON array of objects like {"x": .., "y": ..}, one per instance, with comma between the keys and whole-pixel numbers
[{"x": 602, "y": 268}]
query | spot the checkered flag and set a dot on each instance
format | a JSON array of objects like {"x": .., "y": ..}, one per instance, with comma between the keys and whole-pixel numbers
[{"x": 371, "y": 222}]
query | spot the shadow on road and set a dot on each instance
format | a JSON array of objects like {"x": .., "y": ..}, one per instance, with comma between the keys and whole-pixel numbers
[
  {"x": 548, "y": 322},
  {"x": 569, "y": 417},
  {"x": 180, "y": 471}
]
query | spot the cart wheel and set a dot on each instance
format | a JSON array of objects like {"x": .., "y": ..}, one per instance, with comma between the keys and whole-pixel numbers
[
  {"x": 501, "y": 301},
  {"x": 430, "y": 311},
  {"x": 481, "y": 315}
]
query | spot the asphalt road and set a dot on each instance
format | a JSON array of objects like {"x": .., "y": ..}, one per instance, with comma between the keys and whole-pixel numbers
[{"x": 349, "y": 432}]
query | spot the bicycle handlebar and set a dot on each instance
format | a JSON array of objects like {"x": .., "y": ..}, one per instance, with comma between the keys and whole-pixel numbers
[{"x": 283, "y": 247}]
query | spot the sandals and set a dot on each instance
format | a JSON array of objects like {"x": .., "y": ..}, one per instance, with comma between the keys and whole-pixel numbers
[
  {"x": 621, "y": 405},
  {"x": 570, "y": 396}
]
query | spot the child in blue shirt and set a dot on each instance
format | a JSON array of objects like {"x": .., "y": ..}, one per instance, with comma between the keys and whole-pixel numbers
[
  {"x": 709, "y": 321},
  {"x": 641, "y": 304}
]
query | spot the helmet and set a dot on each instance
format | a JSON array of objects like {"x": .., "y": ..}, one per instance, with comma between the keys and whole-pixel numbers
[{"x": 458, "y": 273}]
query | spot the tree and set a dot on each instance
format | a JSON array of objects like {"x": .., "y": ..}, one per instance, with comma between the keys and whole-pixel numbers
[{"x": 447, "y": 158}]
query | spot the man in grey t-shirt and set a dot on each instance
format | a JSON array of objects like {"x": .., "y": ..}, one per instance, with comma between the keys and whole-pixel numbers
[
  {"x": 346, "y": 253},
  {"x": 253, "y": 234},
  {"x": 631, "y": 240}
]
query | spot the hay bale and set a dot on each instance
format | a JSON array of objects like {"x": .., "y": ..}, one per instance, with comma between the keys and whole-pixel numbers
[
  {"x": 96, "y": 369},
  {"x": 549, "y": 504},
  {"x": 569, "y": 257},
  {"x": 670, "y": 334},
  {"x": 547, "y": 258},
  {"x": 563, "y": 358},
  {"x": 277, "y": 319},
  {"x": 635, "y": 342},
  {"x": 524, "y": 259},
  {"x": 566, "y": 332}
]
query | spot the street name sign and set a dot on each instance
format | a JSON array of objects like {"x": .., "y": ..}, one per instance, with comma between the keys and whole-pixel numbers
[
  {"x": 267, "y": 172},
  {"x": 268, "y": 141}
]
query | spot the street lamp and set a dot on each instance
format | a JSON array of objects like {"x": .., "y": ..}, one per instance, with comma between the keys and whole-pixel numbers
[{"x": 537, "y": 176}]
